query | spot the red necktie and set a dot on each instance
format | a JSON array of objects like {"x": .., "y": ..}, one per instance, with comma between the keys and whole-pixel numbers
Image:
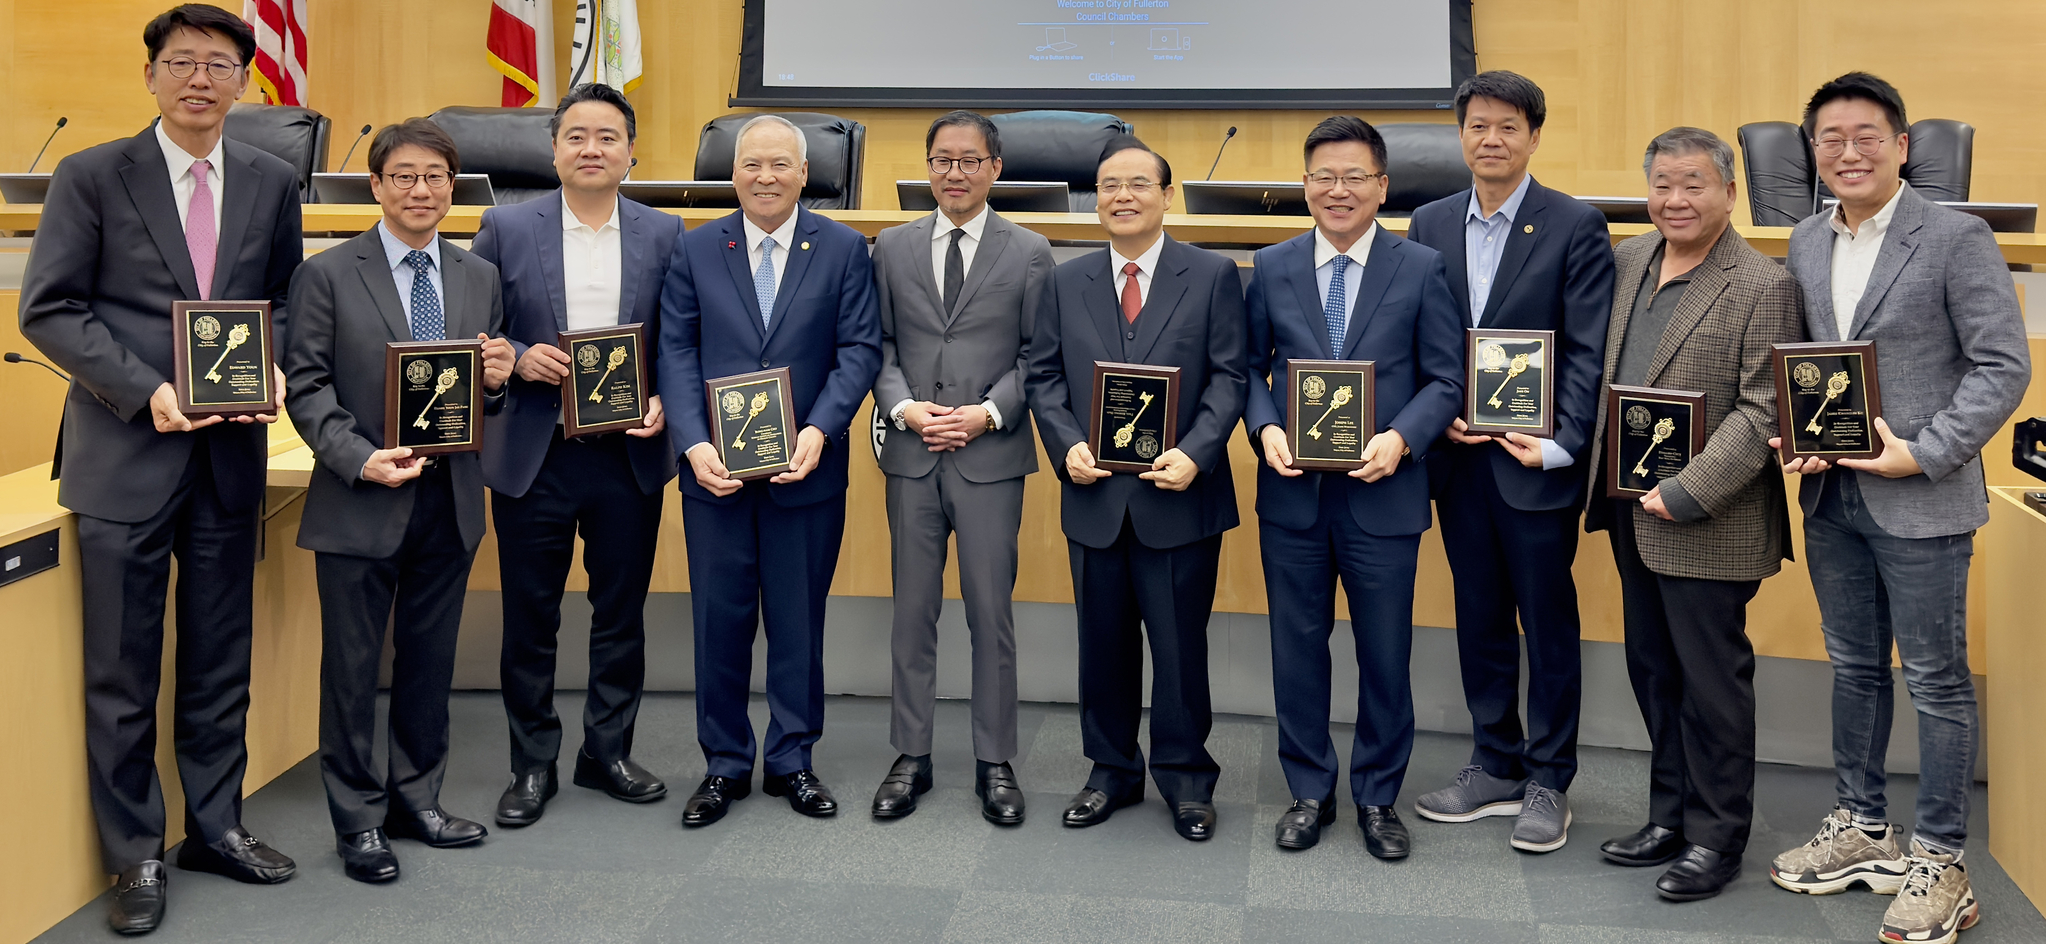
[{"x": 1132, "y": 296}]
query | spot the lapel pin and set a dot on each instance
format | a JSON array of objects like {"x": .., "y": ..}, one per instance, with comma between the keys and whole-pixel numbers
[
  {"x": 1529, "y": 228},
  {"x": 806, "y": 247},
  {"x": 731, "y": 244}
]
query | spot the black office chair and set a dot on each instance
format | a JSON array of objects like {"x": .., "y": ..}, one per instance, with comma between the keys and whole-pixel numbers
[
  {"x": 297, "y": 136},
  {"x": 1942, "y": 159},
  {"x": 510, "y": 145},
  {"x": 838, "y": 154},
  {"x": 1058, "y": 145},
  {"x": 1425, "y": 162},
  {"x": 1782, "y": 186}
]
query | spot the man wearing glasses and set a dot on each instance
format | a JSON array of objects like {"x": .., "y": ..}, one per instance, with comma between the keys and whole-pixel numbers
[
  {"x": 1144, "y": 545},
  {"x": 175, "y": 213},
  {"x": 1888, "y": 539},
  {"x": 958, "y": 290}
]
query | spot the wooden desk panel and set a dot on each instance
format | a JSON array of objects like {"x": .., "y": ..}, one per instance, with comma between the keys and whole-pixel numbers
[{"x": 2013, "y": 545}]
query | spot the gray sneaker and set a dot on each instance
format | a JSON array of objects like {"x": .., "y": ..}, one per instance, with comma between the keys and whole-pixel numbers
[
  {"x": 1544, "y": 824},
  {"x": 1475, "y": 795},
  {"x": 1935, "y": 904}
]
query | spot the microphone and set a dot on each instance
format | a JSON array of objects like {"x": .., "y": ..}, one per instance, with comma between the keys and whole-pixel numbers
[
  {"x": 351, "y": 149},
  {"x": 14, "y": 358},
  {"x": 61, "y": 122},
  {"x": 1218, "y": 152}
]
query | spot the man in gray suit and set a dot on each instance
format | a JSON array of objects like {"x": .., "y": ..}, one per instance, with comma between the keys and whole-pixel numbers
[
  {"x": 1888, "y": 539},
  {"x": 958, "y": 291}
]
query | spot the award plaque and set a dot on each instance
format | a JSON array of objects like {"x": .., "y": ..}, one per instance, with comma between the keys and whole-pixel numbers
[
  {"x": 1508, "y": 386},
  {"x": 1827, "y": 399},
  {"x": 1331, "y": 413},
  {"x": 433, "y": 396},
  {"x": 1135, "y": 416},
  {"x": 221, "y": 358},
  {"x": 1651, "y": 434},
  {"x": 606, "y": 388},
  {"x": 752, "y": 422}
]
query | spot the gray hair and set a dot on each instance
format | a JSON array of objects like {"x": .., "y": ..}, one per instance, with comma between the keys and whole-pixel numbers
[
  {"x": 802, "y": 143},
  {"x": 1686, "y": 140}
]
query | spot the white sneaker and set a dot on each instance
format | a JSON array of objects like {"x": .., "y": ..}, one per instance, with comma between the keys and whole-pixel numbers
[
  {"x": 1935, "y": 905},
  {"x": 1840, "y": 855}
]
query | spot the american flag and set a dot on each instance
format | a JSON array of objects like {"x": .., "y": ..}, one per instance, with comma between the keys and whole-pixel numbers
[{"x": 279, "y": 68}]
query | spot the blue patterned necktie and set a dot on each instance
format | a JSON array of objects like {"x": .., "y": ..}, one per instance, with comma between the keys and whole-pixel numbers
[
  {"x": 428, "y": 323},
  {"x": 1337, "y": 308},
  {"x": 763, "y": 280}
]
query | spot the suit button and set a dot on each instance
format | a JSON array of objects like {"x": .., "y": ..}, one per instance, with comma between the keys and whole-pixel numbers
[
  {"x": 1131, "y": 336},
  {"x": 948, "y": 339},
  {"x": 938, "y": 386},
  {"x": 763, "y": 363}
]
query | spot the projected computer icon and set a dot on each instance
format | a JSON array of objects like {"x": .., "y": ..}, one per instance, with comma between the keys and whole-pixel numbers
[
  {"x": 1167, "y": 39},
  {"x": 1055, "y": 40}
]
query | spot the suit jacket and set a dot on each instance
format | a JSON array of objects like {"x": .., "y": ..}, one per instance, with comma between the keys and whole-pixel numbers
[
  {"x": 108, "y": 260},
  {"x": 991, "y": 325},
  {"x": 1557, "y": 278},
  {"x": 524, "y": 241},
  {"x": 1718, "y": 340},
  {"x": 823, "y": 328},
  {"x": 1950, "y": 350},
  {"x": 1193, "y": 320},
  {"x": 345, "y": 309},
  {"x": 1405, "y": 322}
]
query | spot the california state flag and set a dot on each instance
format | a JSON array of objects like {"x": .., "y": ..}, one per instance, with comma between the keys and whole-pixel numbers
[{"x": 514, "y": 47}]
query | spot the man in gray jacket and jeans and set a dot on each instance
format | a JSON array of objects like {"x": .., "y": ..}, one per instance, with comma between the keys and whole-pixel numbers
[{"x": 1888, "y": 539}]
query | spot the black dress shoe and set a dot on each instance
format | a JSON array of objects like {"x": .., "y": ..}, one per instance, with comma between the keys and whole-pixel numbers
[
  {"x": 434, "y": 827},
  {"x": 1300, "y": 826},
  {"x": 908, "y": 779},
  {"x": 526, "y": 798},
  {"x": 137, "y": 905},
  {"x": 1700, "y": 873},
  {"x": 1001, "y": 800},
  {"x": 1194, "y": 820},
  {"x": 1091, "y": 807},
  {"x": 1649, "y": 845},
  {"x": 807, "y": 794},
  {"x": 713, "y": 797},
  {"x": 367, "y": 856},
  {"x": 620, "y": 779},
  {"x": 238, "y": 856},
  {"x": 1384, "y": 835}
]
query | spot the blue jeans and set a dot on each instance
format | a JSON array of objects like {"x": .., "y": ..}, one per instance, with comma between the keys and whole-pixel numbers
[{"x": 1874, "y": 588}]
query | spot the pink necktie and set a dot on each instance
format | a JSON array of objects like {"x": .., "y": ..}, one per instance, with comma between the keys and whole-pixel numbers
[{"x": 200, "y": 239}]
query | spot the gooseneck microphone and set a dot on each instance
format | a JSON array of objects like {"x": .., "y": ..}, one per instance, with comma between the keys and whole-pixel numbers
[
  {"x": 14, "y": 358},
  {"x": 351, "y": 149},
  {"x": 61, "y": 122},
  {"x": 1218, "y": 152}
]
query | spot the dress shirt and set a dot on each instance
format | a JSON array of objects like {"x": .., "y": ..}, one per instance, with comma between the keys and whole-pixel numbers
[
  {"x": 1325, "y": 254},
  {"x": 941, "y": 240},
  {"x": 179, "y": 162},
  {"x": 1854, "y": 258},
  {"x": 592, "y": 269},
  {"x": 784, "y": 243},
  {"x": 1484, "y": 245},
  {"x": 401, "y": 274},
  {"x": 1147, "y": 263}
]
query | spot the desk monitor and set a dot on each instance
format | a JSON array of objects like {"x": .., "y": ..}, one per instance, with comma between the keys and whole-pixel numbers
[
  {"x": 712, "y": 194},
  {"x": 1005, "y": 196},
  {"x": 1245, "y": 197},
  {"x": 24, "y": 188},
  {"x": 470, "y": 189},
  {"x": 1620, "y": 209}
]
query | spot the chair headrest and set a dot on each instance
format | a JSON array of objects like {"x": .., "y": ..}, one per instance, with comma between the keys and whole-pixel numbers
[
  {"x": 834, "y": 144},
  {"x": 509, "y": 144},
  {"x": 1425, "y": 162},
  {"x": 1056, "y": 145}
]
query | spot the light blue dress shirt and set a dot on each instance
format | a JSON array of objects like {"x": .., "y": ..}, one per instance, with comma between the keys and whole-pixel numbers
[
  {"x": 1484, "y": 245},
  {"x": 401, "y": 274}
]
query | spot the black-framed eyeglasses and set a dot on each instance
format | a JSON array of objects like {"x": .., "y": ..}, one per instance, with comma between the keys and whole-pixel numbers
[
  {"x": 182, "y": 67},
  {"x": 433, "y": 181},
  {"x": 1867, "y": 145},
  {"x": 967, "y": 165}
]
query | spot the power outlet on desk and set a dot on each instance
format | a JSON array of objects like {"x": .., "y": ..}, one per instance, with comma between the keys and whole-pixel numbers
[{"x": 28, "y": 557}]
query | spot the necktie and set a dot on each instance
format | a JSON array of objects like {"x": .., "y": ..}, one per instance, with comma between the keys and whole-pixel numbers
[
  {"x": 955, "y": 271},
  {"x": 428, "y": 323},
  {"x": 201, "y": 240},
  {"x": 763, "y": 280},
  {"x": 1337, "y": 308},
  {"x": 1132, "y": 296}
]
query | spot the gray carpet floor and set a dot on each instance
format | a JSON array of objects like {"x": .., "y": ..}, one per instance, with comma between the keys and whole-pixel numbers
[{"x": 598, "y": 870}]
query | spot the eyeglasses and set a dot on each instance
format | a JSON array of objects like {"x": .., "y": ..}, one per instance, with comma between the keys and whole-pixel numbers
[
  {"x": 1137, "y": 188},
  {"x": 1350, "y": 181},
  {"x": 966, "y": 165},
  {"x": 406, "y": 181},
  {"x": 1866, "y": 144},
  {"x": 183, "y": 66}
]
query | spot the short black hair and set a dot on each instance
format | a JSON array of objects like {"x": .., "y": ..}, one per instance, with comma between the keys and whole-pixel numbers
[
  {"x": 204, "y": 18},
  {"x": 417, "y": 131},
  {"x": 1342, "y": 128},
  {"x": 966, "y": 119},
  {"x": 1129, "y": 142},
  {"x": 594, "y": 92},
  {"x": 1512, "y": 88},
  {"x": 1857, "y": 85}
]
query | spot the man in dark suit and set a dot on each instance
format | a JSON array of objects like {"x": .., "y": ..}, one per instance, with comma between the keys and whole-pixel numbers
[
  {"x": 383, "y": 525},
  {"x": 130, "y": 227},
  {"x": 773, "y": 285},
  {"x": 1144, "y": 547},
  {"x": 586, "y": 258},
  {"x": 1520, "y": 256},
  {"x": 963, "y": 445},
  {"x": 1349, "y": 290}
]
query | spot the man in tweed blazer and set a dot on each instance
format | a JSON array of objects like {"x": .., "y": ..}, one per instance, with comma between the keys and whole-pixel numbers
[{"x": 1696, "y": 308}]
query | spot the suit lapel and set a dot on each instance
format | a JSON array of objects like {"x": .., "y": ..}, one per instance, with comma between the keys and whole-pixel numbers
[
  {"x": 1101, "y": 304},
  {"x": 148, "y": 183},
  {"x": 1370, "y": 286},
  {"x": 1520, "y": 241},
  {"x": 454, "y": 290},
  {"x": 1898, "y": 245},
  {"x": 1459, "y": 264},
  {"x": 993, "y": 239},
  {"x": 1820, "y": 317},
  {"x": 1708, "y": 280},
  {"x": 239, "y": 204},
  {"x": 921, "y": 233},
  {"x": 553, "y": 268},
  {"x": 1307, "y": 289},
  {"x": 1167, "y": 285},
  {"x": 1627, "y": 278},
  {"x": 632, "y": 240},
  {"x": 375, "y": 270},
  {"x": 742, "y": 274},
  {"x": 798, "y": 266}
]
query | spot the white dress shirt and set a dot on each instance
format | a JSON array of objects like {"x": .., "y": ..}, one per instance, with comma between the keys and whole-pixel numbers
[
  {"x": 1147, "y": 263},
  {"x": 592, "y": 269},
  {"x": 1854, "y": 258},
  {"x": 1325, "y": 253},
  {"x": 179, "y": 162},
  {"x": 784, "y": 243},
  {"x": 941, "y": 241},
  {"x": 402, "y": 274}
]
